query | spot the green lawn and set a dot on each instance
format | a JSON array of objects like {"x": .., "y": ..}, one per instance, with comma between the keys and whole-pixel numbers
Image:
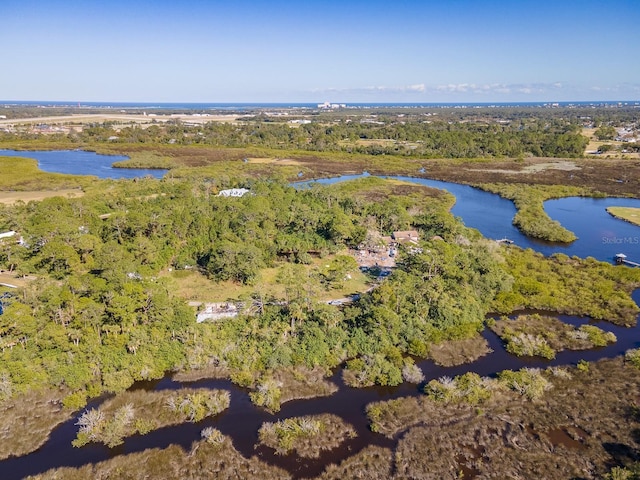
[{"x": 630, "y": 214}]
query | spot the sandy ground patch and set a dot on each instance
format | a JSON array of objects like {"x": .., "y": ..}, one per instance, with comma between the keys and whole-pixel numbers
[
  {"x": 140, "y": 119},
  {"x": 535, "y": 168},
  {"x": 278, "y": 161},
  {"x": 9, "y": 198}
]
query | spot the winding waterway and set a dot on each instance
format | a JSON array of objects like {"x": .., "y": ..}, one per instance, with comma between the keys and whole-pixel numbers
[
  {"x": 488, "y": 213},
  {"x": 600, "y": 235},
  {"x": 242, "y": 419},
  {"x": 81, "y": 162}
]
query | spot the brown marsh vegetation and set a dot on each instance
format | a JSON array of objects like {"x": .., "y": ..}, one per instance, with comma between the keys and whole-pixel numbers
[
  {"x": 458, "y": 352},
  {"x": 203, "y": 461},
  {"x": 553, "y": 436},
  {"x": 138, "y": 411},
  {"x": 36, "y": 413},
  {"x": 538, "y": 335}
]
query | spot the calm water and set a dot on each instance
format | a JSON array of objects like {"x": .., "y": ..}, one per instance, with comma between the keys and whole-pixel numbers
[{"x": 80, "y": 162}]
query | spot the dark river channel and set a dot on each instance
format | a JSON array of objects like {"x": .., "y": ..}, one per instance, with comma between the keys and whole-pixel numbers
[{"x": 491, "y": 215}]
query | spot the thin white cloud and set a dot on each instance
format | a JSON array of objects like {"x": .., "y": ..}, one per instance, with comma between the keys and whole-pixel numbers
[
  {"x": 499, "y": 88},
  {"x": 423, "y": 91},
  {"x": 416, "y": 88}
]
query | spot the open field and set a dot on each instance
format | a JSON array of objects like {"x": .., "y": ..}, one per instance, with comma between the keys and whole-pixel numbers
[
  {"x": 7, "y": 278},
  {"x": 595, "y": 144},
  {"x": 192, "y": 285},
  {"x": 629, "y": 214},
  {"x": 78, "y": 120},
  {"x": 9, "y": 198}
]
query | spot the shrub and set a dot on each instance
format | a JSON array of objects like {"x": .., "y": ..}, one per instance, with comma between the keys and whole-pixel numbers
[
  {"x": 633, "y": 356},
  {"x": 75, "y": 400},
  {"x": 583, "y": 366},
  {"x": 283, "y": 434},
  {"x": 525, "y": 344},
  {"x": 268, "y": 395},
  {"x": 597, "y": 336},
  {"x": 528, "y": 382},
  {"x": 213, "y": 436},
  {"x": 468, "y": 388},
  {"x": 198, "y": 405},
  {"x": 411, "y": 372}
]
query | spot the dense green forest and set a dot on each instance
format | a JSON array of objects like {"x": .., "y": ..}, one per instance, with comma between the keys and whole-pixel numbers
[
  {"x": 426, "y": 137},
  {"x": 100, "y": 316}
]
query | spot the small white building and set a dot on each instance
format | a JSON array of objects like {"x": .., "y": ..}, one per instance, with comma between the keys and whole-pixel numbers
[
  {"x": 217, "y": 311},
  {"x": 9, "y": 234},
  {"x": 233, "y": 192}
]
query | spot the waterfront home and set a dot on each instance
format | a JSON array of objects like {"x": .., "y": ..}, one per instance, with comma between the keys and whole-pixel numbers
[{"x": 406, "y": 236}]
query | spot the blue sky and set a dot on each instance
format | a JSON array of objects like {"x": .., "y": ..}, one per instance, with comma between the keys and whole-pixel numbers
[{"x": 315, "y": 51}]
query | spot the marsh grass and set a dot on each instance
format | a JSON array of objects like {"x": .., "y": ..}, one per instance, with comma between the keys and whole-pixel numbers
[
  {"x": 23, "y": 174},
  {"x": 307, "y": 436},
  {"x": 147, "y": 160},
  {"x": 509, "y": 437},
  {"x": 27, "y": 421},
  {"x": 531, "y": 218},
  {"x": 538, "y": 335},
  {"x": 457, "y": 352},
  {"x": 203, "y": 461},
  {"x": 302, "y": 382},
  {"x": 371, "y": 463},
  {"x": 139, "y": 411}
]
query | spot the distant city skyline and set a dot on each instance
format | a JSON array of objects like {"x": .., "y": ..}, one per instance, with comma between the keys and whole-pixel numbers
[{"x": 343, "y": 52}]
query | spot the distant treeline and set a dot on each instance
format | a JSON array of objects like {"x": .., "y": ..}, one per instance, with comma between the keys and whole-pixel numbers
[{"x": 425, "y": 139}]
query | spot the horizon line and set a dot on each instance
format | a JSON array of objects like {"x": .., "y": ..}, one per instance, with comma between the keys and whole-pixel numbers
[{"x": 315, "y": 102}]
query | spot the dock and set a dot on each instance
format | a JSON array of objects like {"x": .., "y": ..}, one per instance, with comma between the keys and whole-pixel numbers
[
  {"x": 505, "y": 240},
  {"x": 621, "y": 259}
]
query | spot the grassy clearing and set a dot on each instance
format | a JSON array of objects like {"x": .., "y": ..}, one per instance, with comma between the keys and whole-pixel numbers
[
  {"x": 458, "y": 352},
  {"x": 13, "y": 279},
  {"x": 192, "y": 285},
  {"x": 9, "y": 198},
  {"x": 27, "y": 421},
  {"x": 306, "y": 436},
  {"x": 536, "y": 335},
  {"x": 628, "y": 214},
  {"x": 141, "y": 412}
]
